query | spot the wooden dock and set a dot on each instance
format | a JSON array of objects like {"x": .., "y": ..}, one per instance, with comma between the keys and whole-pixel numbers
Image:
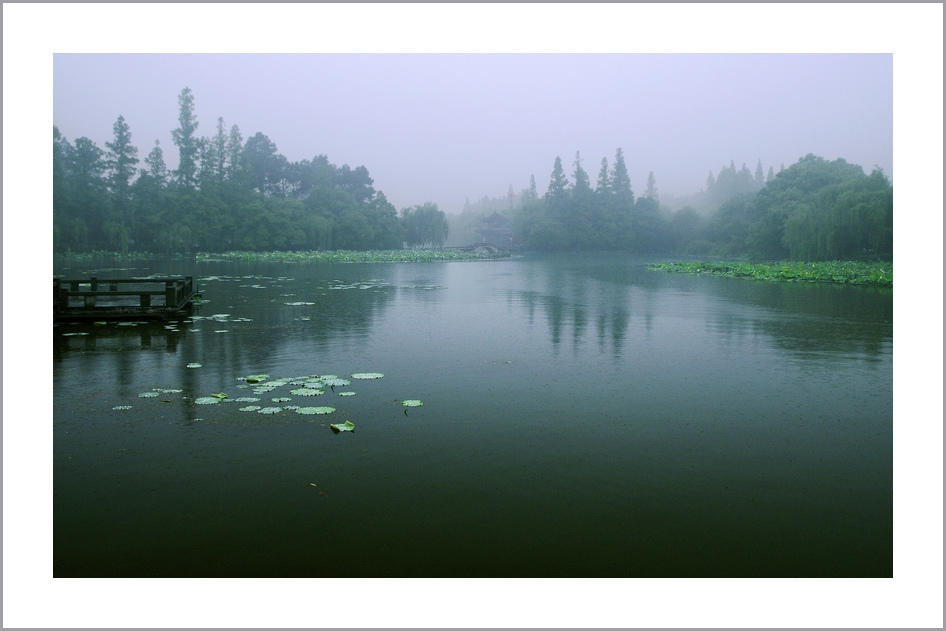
[{"x": 96, "y": 299}]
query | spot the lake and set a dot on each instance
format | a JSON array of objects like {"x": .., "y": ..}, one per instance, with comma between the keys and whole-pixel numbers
[{"x": 583, "y": 416}]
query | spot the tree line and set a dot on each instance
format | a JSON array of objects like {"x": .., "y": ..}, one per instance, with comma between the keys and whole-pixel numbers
[
  {"x": 226, "y": 194},
  {"x": 814, "y": 210}
]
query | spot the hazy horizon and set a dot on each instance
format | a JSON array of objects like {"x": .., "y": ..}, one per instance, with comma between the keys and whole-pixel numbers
[{"x": 450, "y": 127}]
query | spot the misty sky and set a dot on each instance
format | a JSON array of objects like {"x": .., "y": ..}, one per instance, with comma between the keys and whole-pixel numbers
[{"x": 451, "y": 127}]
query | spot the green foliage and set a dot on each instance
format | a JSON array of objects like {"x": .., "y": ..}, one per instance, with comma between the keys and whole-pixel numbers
[
  {"x": 346, "y": 256},
  {"x": 425, "y": 225},
  {"x": 847, "y": 272},
  {"x": 225, "y": 195},
  {"x": 820, "y": 210}
]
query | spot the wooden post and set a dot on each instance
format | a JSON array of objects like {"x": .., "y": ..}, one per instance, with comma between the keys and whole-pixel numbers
[
  {"x": 170, "y": 293},
  {"x": 145, "y": 300}
]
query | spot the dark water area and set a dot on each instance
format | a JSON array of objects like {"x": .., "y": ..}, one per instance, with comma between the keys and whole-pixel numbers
[{"x": 582, "y": 417}]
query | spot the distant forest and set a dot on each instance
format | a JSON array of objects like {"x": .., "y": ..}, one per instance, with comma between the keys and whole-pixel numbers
[
  {"x": 814, "y": 210},
  {"x": 227, "y": 194}
]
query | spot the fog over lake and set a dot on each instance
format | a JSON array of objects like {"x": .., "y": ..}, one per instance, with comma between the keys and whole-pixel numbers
[
  {"x": 449, "y": 127},
  {"x": 446, "y": 104}
]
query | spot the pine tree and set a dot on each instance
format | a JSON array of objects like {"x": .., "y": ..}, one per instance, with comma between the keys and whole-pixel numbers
[
  {"x": 558, "y": 184},
  {"x": 155, "y": 163},
  {"x": 620, "y": 180},
  {"x": 121, "y": 158},
  {"x": 234, "y": 170},
  {"x": 604, "y": 179},
  {"x": 188, "y": 145},
  {"x": 651, "y": 191}
]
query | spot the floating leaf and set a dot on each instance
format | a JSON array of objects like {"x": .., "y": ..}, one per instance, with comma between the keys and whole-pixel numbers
[
  {"x": 347, "y": 426},
  {"x": 367, "y": 375},
  {"x": 346, "y": 394},
  {"x": 206, "y": 400},
  {"x": 147, "y": 395},
  {"x": 122, "y": 407},
  {"x": 256, "y": 378},
  {"x": 335, "y": 381},
  {"x": 220, "y": 395},
  {"x": 270, "y": 410},
  {"x": 412, "y": 403},
  {"x": 316, "y": 410},
  {"x": 247, "y": 399},
  {"x": 275, "y": 383},
  {"x": 193, "y": 365},
  {"x": 250, "y": 408},
  {"x": 281, "y": 399},
  {"x": 307, "y": 392}
]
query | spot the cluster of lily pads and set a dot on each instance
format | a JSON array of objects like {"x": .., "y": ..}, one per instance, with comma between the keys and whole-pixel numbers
[
  {"x": 348, "y": 256},
  {"x": 847, "y": 272},
  {"x": 262, "y": 384}
]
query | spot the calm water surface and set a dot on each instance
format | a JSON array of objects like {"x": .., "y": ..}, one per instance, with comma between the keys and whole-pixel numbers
[{"x": 582, "y": 416}]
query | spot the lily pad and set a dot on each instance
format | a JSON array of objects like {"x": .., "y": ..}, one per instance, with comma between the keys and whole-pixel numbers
[
  {"x": 249, "y": 408},
  {"x": 147, "y": 395},
  {"x": 347, "y": 394},
  {"x": 307, "y": 392},
  {"x": 412, "y": 403},
  {"x": 367, "y": 375},
  {"x": 315, "y": 410},
  {"x": 122, "y": 407},
  {"x": 247, "y": 399},
  {"x": 347, "y": 426},
  {"x": 270, "y": 410},
  {"x": 219, "y": 395},
  {"x": 206, "y": 400},
  {"x": 336, "y": 382},
  {"x": 193, "y": 365},
  {"x": 256, "y": 378},
  {"x": 281, "y": 399}
]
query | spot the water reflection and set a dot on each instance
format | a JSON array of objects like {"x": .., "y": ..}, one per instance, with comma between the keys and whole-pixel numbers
[{"x": 802, "y": 318}]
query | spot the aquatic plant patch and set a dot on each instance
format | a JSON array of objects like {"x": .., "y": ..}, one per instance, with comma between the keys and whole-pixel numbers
[
  {"x": 347, "y": 426},
  {"x": 315, "y": 410},
  {"x": 367, "y": 375},
  {"x": 412, "y": 403},
  {"x": 348, "y": 256},
  {"x": 848, "y": 272}
]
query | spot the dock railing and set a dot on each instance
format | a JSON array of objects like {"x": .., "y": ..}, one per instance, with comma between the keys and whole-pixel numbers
[{"x": 93, "y": 293}]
